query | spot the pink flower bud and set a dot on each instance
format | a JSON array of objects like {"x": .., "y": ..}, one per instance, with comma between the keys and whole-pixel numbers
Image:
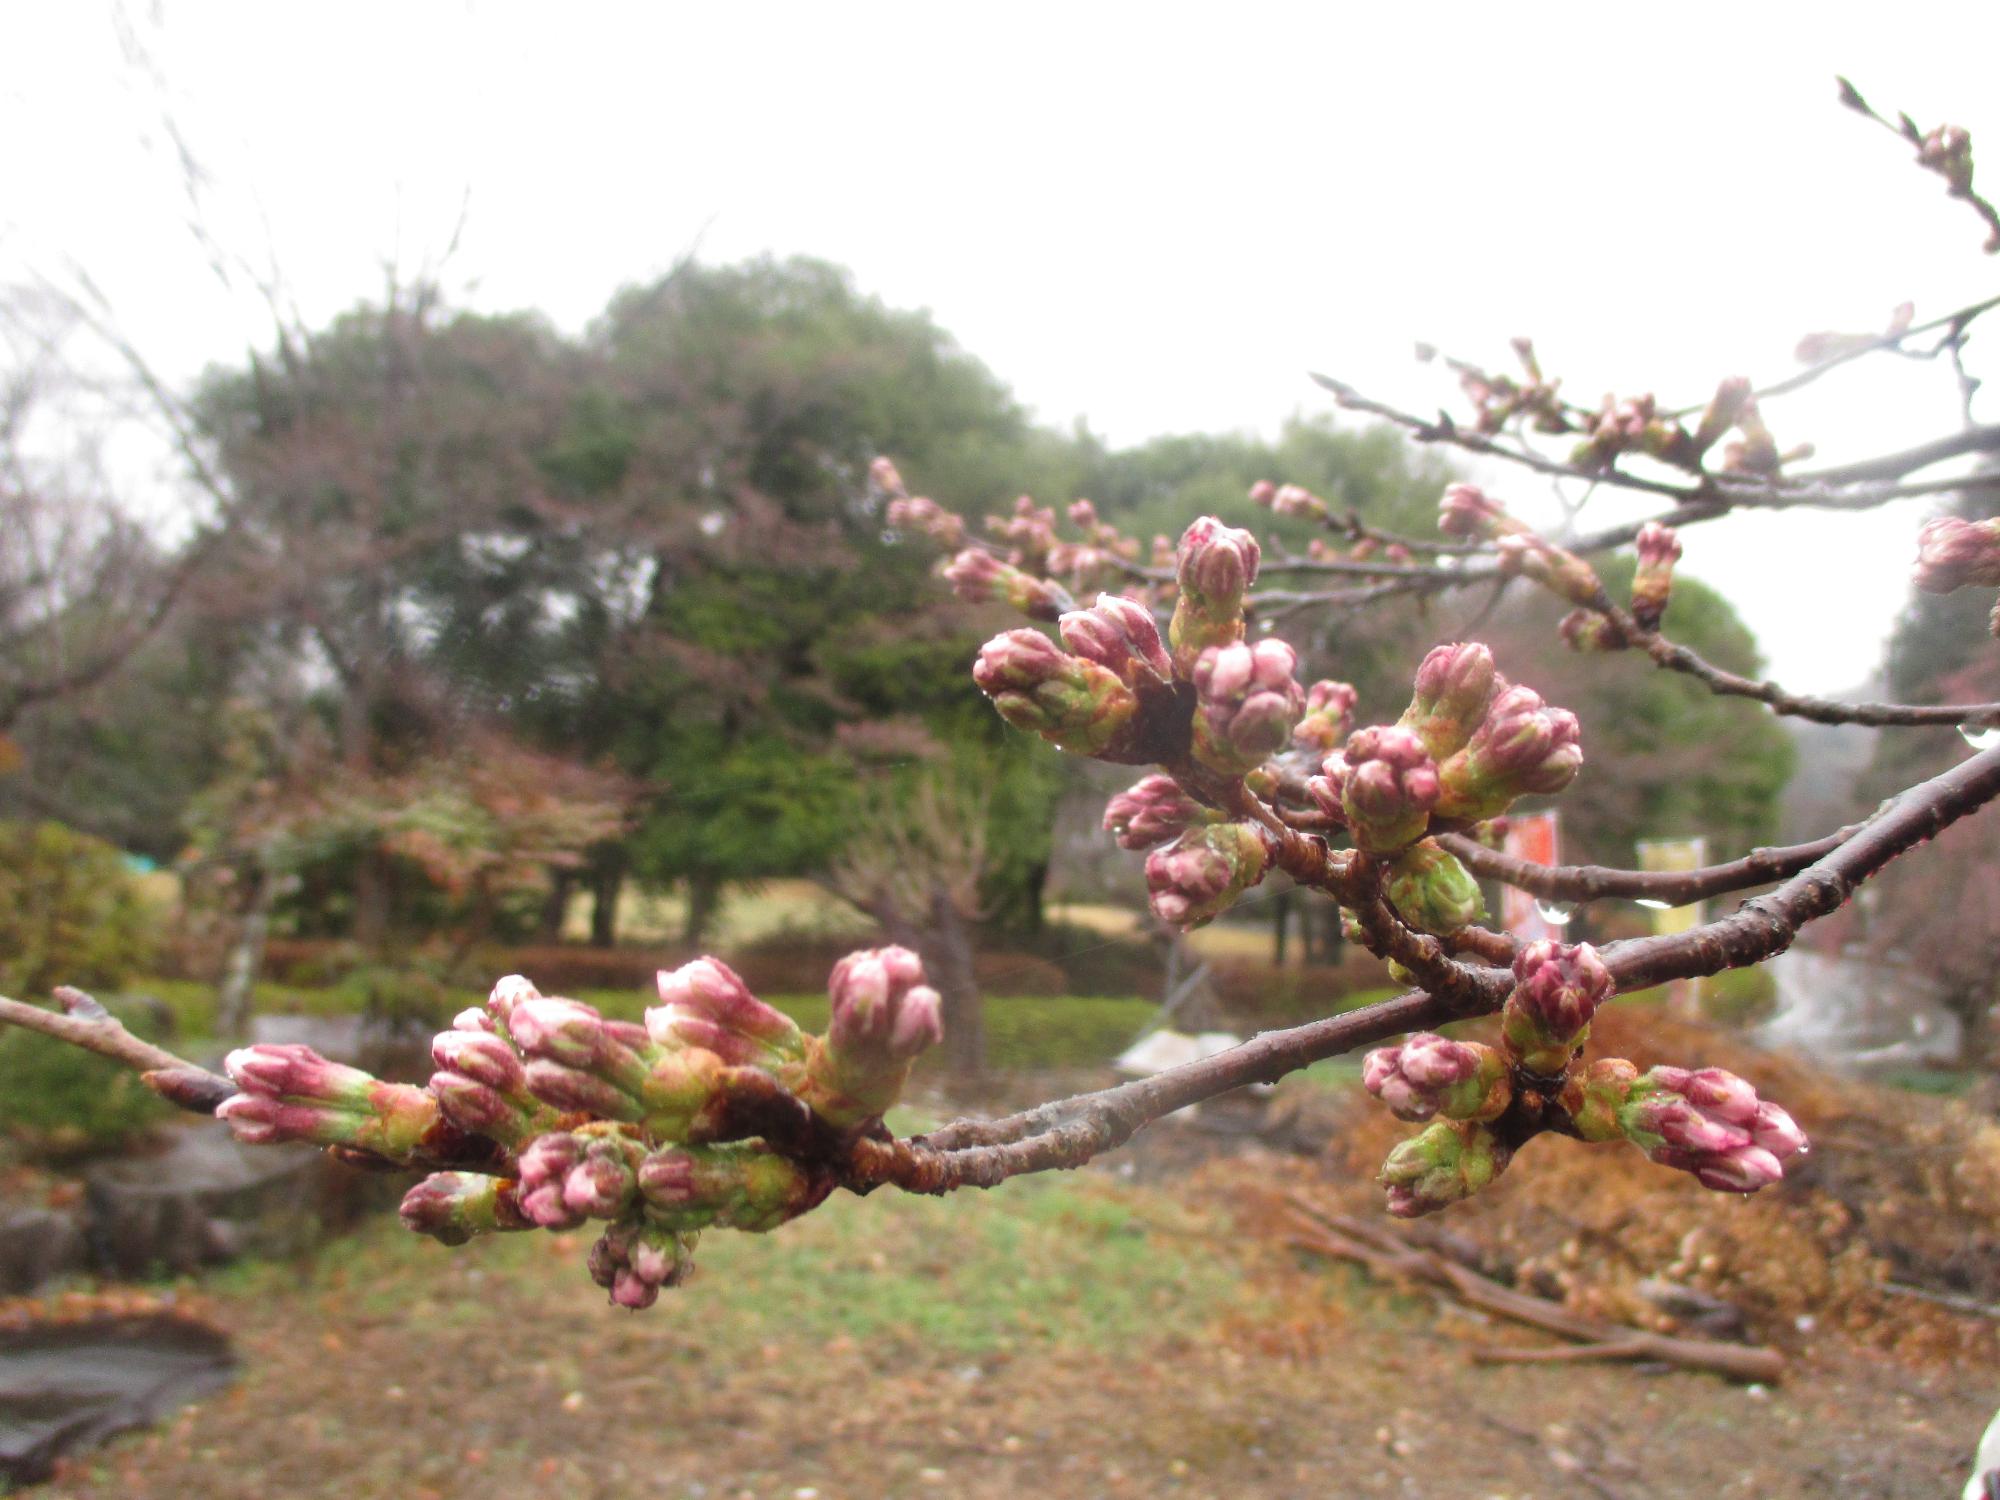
[
  {"x": 452, "y": 1207},
  {"x": 1587, "y": 630},
  {"x": 1296, "y": 500},
  {"x": 480, "y": 1056},
  {"x": 1151, "y": 812},
  {"x": 882, "y": 1007},
  {"x": 1522, "y": 747},
  {"x": 981, "y": 578},
  {"x": 1557, "y": 988},
  {"x": 508, "y": 992},
  {"x": 1429, "y": 1073},
  {"x": 1075, "y": 704},
  {"x": 1388, "y": 785},
  {"x": 603, "y": 1183},
  {"x": 635, "y": 1261},
  {"x": 291, "y": 1093},
  {"x": 1454, "y": 684},
  {"x": 927, "y": 518},
  {"x": 1562, "y": 573},
  {"x": 1263, "y": 492},
  {"x": 1653, "y": 582},
  {"x": 1120, "y": 636},
  {"x": 710, "y": 990},
  {"x": 1200, "y": 875},
  {"x": 1328, "y": 717},
  {"x": 1215, "y": 566},
  {"x": 294, "y": 1071},
  {"x": 1467, "y": 511},
  {"x": 1952, "y": 553},
  {"x": 1247, "y": 702},
  {"x": 1711, "y": 1123},
  {"x": 543, "y": 1169},
  {"x": 883, "y": 474},
  {"x": 1721, "y": 413}
]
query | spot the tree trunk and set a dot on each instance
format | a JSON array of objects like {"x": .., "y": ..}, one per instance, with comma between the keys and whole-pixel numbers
[
  {"x": 607, "y": 880},
  {"x": 555, "y": 906},
  {"x": 246, "y": 957},
  {"x": 371, "y": 901},
  {"x": 948, "y": 960},
  {"x": 704, "y": 897}
]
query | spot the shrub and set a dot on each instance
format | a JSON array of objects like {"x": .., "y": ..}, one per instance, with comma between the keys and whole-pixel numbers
[{"x": 70, "y": 912}]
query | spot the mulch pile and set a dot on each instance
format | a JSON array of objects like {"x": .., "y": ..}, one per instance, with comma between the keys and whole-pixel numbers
[{"x": 1900, "y": 1191}]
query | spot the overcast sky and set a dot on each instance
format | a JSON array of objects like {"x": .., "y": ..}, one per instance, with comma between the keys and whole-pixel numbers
[{"x": 1152, "y": 218}]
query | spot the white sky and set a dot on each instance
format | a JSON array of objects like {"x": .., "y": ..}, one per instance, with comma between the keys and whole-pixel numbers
[{"x": 1152, "y": 217}]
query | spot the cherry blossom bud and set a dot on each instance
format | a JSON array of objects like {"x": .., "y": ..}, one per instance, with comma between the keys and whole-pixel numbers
[
  {"x": 1296, "y": 500},
  {"x": 741, "y": 1185},
  {"x": 1947, "y": 151},
  {"x": 1388, "y": 788},
  {"x": 1431, "y": 890},
  {"x": 1467, "y": 511},
  {"x": 707, "y": 1004},
  {"x": 1215, "y": 566},
  {"x": 883, "y": 474},
  {"x": 1757, "y": 451},
  {"x": 543, "y": 1167},
  {"x": 1075, "y": 704},
  {"x": 482, "y": 1086},
  {"x": 1199, "y": 876},
  {"x": 1562, "y": 573},
  {"x": 1453, "y": 687},
  {"x": 510, "y": 990},
  {"x": 1711, "y": 1123},
  {"x": 1119, "y": 635},
  {"x": 1429, "y": 1074},
  {"x": 1523, "y": 747},
  {"x": 1595, "y": 1094},
  {"x": 1659, "y": 549},
  {"x": 883, "y": 1016},
  {"x": 1724, "y": 407},
  {"x": 981, "y": 578},
  {"x": 291, "y": 1093},
  {"x": 1444, "y": 1165},
  {"x": 1153, "y": 811},
  {"x": 636, "y": 1260},
  {"x": 1247, "y": 702},
  {"x": 452, "y": 1207},
  {"x": 1953, "y": 553},
  {"x": 1557, "y": 988},
  {"x": 1263, "y": 492},
  {"x": 1587, "y": 630},
  {"x": 1328, "y": 718},
  {"x": 926, "y": 517}
]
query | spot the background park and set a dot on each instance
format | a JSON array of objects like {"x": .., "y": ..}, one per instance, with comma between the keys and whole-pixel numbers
[{"x": 406, "y": 636}]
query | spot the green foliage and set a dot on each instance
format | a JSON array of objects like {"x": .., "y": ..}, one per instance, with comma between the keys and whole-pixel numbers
[
  {"x": 59, "y": 1100},
  {"x": 69, "y": 911}
]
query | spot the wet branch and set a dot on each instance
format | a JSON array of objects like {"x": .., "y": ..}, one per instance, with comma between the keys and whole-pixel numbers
[{"x": 1675, "y": 887}]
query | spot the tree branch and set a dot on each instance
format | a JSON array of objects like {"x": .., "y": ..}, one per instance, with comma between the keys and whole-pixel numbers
[{"x": 1674, "y": 887}]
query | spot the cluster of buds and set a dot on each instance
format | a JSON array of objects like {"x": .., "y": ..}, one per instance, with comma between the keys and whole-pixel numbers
[
  {"x": 1705, "y": 1121},
  {"x": 1469, "y": 512},
  {"x": 1199, "y": 876},
  {"x": 1121, "y": 636},
  {"x": 1498, "y": 399},
  {"x": 1288, "y": 500},
  {"x": 1755, "y": 452},
  {"x": 1329, "y": 717},
  {"x": 1029, "y": 531},
  {"x": 1431, "y": 1075},
  {"x": 1557, "y": 989},
  {"x": 1522, "y": 747},
  {"x": 1442, "y": 1165},
  {"x": 655, "y": 1128},
  {"x": 1653, "y": 582},
  {"x": 1382, "y": 787},
  {"x": 1561, "y": 572},
  {"x": 978, "y": 577},
  {"x": 1947, "y": 151},
  {"x": 1069, "y": 701},
  {"x": 1618, "y": 427},
  {"x": 1152, "y": 811},
  {"x": 915, "y": 513},
  {"x": 1248, "y": 700},
  {"x": 1955, "y": 554}
]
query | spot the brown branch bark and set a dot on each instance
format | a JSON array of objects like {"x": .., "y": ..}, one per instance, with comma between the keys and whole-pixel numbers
[{"x": 1675, "y": 887}]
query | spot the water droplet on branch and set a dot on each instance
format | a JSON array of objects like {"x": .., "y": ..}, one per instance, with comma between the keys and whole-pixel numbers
[
  {"x": 1652, "y": 904},
  {"x": 1555, "y": 913},
  {"x": 1980, "y": 736}
]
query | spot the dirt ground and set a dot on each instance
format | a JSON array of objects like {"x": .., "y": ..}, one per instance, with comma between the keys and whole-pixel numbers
[{"x": 1131, "y": 1330}]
